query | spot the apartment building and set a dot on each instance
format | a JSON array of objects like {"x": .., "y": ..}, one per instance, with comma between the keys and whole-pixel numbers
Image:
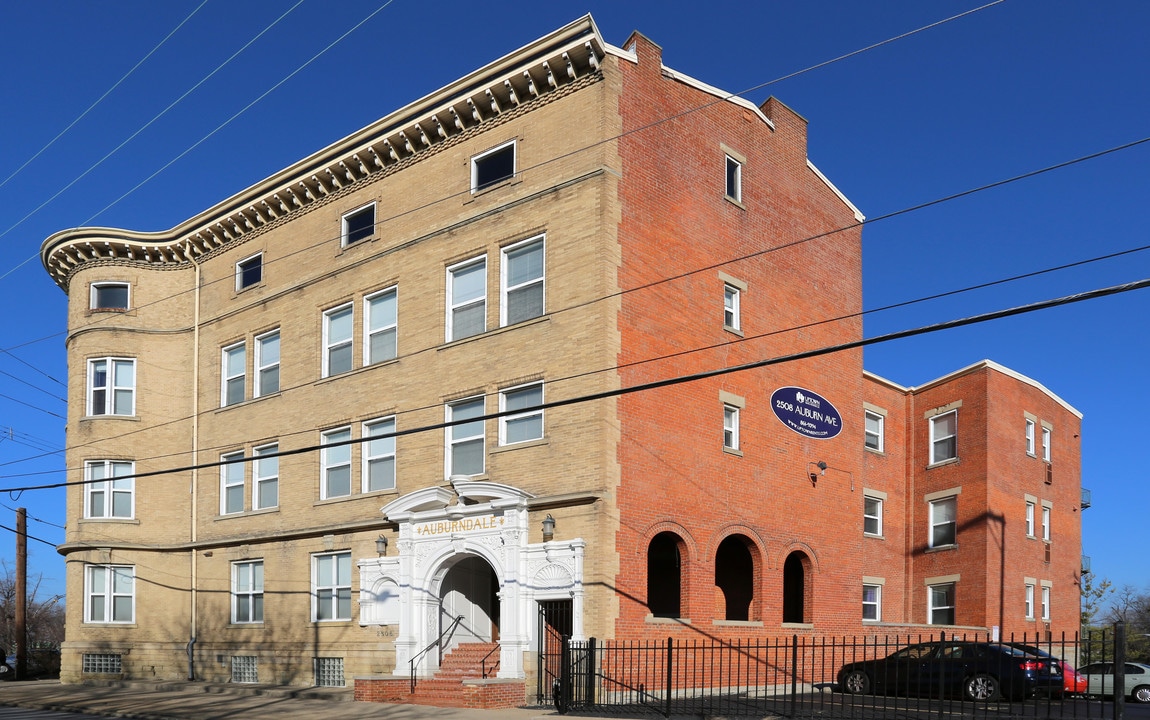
[{"x": 519, "y": 351}]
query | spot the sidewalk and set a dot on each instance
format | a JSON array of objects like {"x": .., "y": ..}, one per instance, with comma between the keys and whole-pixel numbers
[{"x": 206, "y": 701}]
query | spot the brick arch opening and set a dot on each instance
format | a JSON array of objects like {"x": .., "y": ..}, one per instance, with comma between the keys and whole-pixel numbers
[
  {"x": 796, "y": 588},
  {"x": 736, "y": 576},
  {"x": 665, "y": 575}
]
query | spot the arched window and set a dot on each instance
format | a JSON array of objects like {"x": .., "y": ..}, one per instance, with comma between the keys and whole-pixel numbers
[
  {"x": 795, "y": 588},
  {"x": 664, "y": 575},
  {"x": 735, "y": 576}
]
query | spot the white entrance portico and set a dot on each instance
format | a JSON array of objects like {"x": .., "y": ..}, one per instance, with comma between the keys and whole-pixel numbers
[{"x": 464, "y": 553}]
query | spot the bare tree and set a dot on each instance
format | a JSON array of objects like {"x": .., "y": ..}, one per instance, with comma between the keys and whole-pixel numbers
[
  {"x": 44, "y": 617},
  {"x": 1132, "y": 606}
]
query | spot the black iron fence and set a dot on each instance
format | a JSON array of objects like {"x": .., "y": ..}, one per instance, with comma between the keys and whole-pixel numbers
[{"x": 935, "y": 675}]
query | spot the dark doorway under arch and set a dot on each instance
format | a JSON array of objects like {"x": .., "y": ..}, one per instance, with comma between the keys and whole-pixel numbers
[
  {"x": 794, "y": 588},
  {"x": 664, "y": 575},
  {"x": 735, "y": 576}
]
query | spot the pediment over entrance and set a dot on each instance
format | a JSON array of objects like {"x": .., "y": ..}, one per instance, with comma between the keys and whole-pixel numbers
[
  {"x": 484, "y": 491},
  {"x": 440, "y": 498},
  {"x": 428, "y": 498}
]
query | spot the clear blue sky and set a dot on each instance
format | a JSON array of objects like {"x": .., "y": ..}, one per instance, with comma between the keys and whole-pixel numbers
[{"x": 1007, "y": 90}]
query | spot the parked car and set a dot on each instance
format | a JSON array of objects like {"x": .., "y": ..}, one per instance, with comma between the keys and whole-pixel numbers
[
  {"x": 1100, "y": 680},
  {"x": 1073, "y": 682},
  {"x": 41, "y": 663},
  {"x": 979, "y": 671}
]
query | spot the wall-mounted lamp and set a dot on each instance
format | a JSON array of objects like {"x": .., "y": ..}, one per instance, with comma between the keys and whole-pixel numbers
[
  {"x": 548, "y": 528},
  {"x": 381, "y": 545},
  {"x": 822, "y": 470}
]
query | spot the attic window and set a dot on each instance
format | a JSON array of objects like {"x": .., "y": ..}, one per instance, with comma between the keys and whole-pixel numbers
[
  {"x": 249, "y": 271},
  {"x": 109, "y": 296},
  {"x": 359, "y": 225},
  {"x": 493, "y": 166}
]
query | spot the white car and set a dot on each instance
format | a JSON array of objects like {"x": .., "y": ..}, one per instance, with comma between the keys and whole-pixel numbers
[{"x": 1100, "y": 680}]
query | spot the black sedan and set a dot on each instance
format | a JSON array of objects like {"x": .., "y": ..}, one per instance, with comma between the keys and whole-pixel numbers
[{"x": 980, "y": 671}]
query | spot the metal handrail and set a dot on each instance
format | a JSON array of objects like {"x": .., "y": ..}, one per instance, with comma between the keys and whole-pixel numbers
[
  {"x": 437, "y": 641},
  {"x": 483, "y": 662}
]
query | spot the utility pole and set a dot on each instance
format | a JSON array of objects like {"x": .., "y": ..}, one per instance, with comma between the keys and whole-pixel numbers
[{"x": 21, "y": 592}]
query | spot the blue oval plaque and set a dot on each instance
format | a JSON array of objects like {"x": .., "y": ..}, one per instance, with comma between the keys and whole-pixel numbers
[{"x": 806, "y": 412}]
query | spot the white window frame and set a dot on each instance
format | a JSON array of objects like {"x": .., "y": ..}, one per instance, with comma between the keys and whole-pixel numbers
[
  {"x": 876, "y": 603},
  {"x": 262, "y": 367},
  {"x": 370, "y": 330},
  {"x": 109, "y": 593},
  {"x": 732, "y": 307},
  {"x": 344, "y": 235},
  {"x": 880, "y": 436},
  {"x": 338, "y": 584},
  {"x": 1046, "y": 522},
  {"x": 232, "y": 467},
  {"x": 106, "y": 488},
  {"x": 330, "y": 345},
  {"x": 1029, "y": 436},
  {"x": 730, "y": 427},
  {"x": 1028, "y": 602},
  {"x": 111, "y": 389},
  {"x": 265, "y": 471},
  {"x": 735, "y": 193},
  {"x": 1029, "y": 519},
  {"x": 1046, "y": 441},
  {"x": 378, "y": 449},
  {"x": 477, "y": 159},
  {"x": 506, "y": 420},
  {"x": 95, "y": 289},
  {"x": 876, "y": 516},
  {"x": 931, "y": 608},
  {"x": 1046, "y": 603},
  {"x": 253, "y": 591},
  {"x": 935, "y": 505},
  {"x": 452, "y": 440},
  {"x": 936, "y": 438},
  {"x": 453, "y": 306},
  {"x": 506, "y": 289},
  {"x": 241, "y": 267},
  {"x": 334, "y": 459},
  {"x": 227, "y": 378}
]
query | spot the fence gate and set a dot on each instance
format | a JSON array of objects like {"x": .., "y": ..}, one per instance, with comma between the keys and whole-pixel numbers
[{"x": 554, "y": 628}]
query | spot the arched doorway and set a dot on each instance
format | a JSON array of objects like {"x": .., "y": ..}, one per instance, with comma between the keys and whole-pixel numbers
[
  {"x": 470, "y": 591},
  {"x": 664, "y": 575},
  {"x": 735, "y": 576},
  {"x": 795, "y": 588}
]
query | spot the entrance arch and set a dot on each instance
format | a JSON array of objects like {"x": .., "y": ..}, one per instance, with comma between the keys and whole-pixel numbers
[{"x": 468, "y": 591}]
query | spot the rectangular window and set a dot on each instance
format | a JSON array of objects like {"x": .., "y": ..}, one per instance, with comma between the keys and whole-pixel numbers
[
  {"x": 1029, "y": 436},
  {"x": 337, "y": 350},
  {"x": 731, "y": 313},
  {"x": 1046, "y": 444},
  {"x": 248, "y": 591},
  {"x": 245, "y": 669},
  {"x": 734, "y": 179},
  {"x": 467, "y": 299},
  {"x": 382, "y": 322},
  {"x": 331, "y": 586},
  {"x": 941, "y": 604},
  {"x": 1046, "y": 523},
  {"x": 110, "y": 595},
  {"x": 267, "y": 364},
  {"x": 943, "y": 522},
  {"x": 336, "y": 464},
  {"x": 329, "y": 672},
  {"x": 266, "y": 478},
  {"x": 493, "y": 166},
  {"x": 234, "y": 374},
  {"x": 874, "y": 430},
  {"x": 944, "y": 437},
  {"x": 109, "y": 296},
  {"x": 465, "y": 451},
  {"x": 358, "y": 225},
  {"x": 525, "y": 425},
  {"x": 101, "y": 663},
  {"x": 249, "y": 272},
  {"x": 110, "y": 493},
  {"x": 231, "y": 484},
  {"x": 1045, "y": 603},
  {"x": 379, "y": 455},
  {"x": 1029, "y": 519},
  {"x": 872, "y": 516},
  {"x": 522, "y": 282},
  {"x": 1029, "y": 602},
  {"x": 111, "y": 386},
  {"x": 872, "y": 602},
  {"x": 730, "y": 427}
]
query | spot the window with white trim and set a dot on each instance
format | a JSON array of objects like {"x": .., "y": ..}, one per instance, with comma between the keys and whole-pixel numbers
[
  {"x": 248, "y": 591},
  {"x": 522, "y": 292},
  {"x": 940, "y": 604},
  {"x": 1046, "y": 523},
  {"x": 943, "y": 522},
  {"x": 730, "y": 427},
  {"x": 944, "y": 437},
  {"x": 331, "y": 586},
  {"x": 358, "y": 225},
  {"x": 872, "y": 602},
  {"x": 234, "y": 374},
  {"x": 1028, "y": 607},
  {"x": 379, "y": 455},
  {"x": 335, "y": 463},
  {"x": 493, "y": 166},
  {"x": 112, "y": 386},
  {"x": 1045, "y": 602},
  {"x": 337, "y": 347},
  {"x": 110, "y": 493},
  {"x": 110, "y": 594},
  {"x": 732, "y": 300},
  {"x": 872, "y": 515},
  {"x": 1029, "y": 519},
  {"x": 267, "y": 364},
  {"x": 231, "y": 483},
  {"x": 524, "y": 425},
  {"x": 874, "y": 431},
  {"x": 381, "y": 326},
  {"x": 734, "y": 174},
  {"x": 109, "y": 296},
  {"x": 1029, "y": 436},
  {"x": 266, "y": 477},
  {"x": 249, "y": 272},
  {"x": 465, "y": 442},
  {"x": 467, "y": 299},
  {"x": 1046, "y": 432}
]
